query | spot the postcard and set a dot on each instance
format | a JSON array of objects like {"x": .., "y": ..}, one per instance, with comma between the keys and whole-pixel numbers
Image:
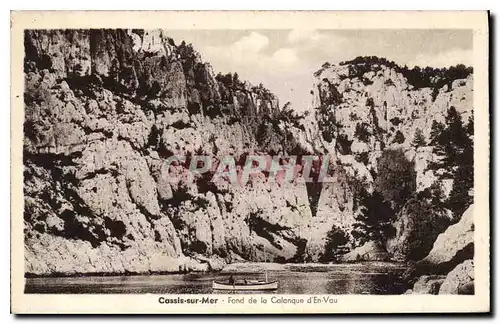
[{"x": 250, "y": 162}]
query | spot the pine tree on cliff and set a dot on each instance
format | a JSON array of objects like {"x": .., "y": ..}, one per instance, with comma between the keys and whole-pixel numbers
[
  {"x": 419, "y": 138},
  {"x": 187, "y": 55},
  {"x": 154, "y": 137},
  {"x": 459, "y": 198},
  {"x": 447, "y": 140},
  {"x": 436, "y": 129},
  {"x": 236, "y": 79},
  {"x": 374, "y": 222},
  {"x": 454, "y": 146},
  {"x": 396, "y": 178}
]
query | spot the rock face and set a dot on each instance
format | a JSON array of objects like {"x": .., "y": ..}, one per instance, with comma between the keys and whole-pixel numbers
[
  {"x": 460, "y": 280},
  {"x": 453, "y": 246},
  {"x": 450, "y": 262},
  {"x": 370, "y": 251},
  {"x": 417, "y": 227},
  {"x": 106, "y": 109},
  {"x": 427, "y": 285}
]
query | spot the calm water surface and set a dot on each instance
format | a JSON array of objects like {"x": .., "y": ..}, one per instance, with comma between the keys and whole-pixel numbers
[{"x": 342, "y": 279}]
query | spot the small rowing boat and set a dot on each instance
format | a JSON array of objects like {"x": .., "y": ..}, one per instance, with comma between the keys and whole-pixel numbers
[{"x": 245, "y": 285}]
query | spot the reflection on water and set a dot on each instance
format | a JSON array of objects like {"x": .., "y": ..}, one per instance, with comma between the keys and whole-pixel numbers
[{"x": 345, "y": 279}]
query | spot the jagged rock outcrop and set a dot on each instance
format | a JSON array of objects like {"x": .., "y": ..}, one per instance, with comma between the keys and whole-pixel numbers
[
  {"x": 427, "y": 285},
  {"x": 370, "y": 251},
  {"x": 450, "y": 260},
  {"x": 454, "y": 246},
  {"x": 417, "y": 226},
  {"x": 460, "y": 280}
]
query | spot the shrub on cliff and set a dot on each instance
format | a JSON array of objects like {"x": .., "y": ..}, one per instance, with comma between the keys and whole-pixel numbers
[
  {"x": 187, "y": 55},
  {"x": 327, "y": 124},
  {"x": 232, "y": 81},
  {"x": 36, "y": 93},
  {"x": 418, "y": 225},
  {"x": 395, "y": 121},
  {"x": 225, "y": 79},
  {"x": 362, "y": 157},
  {"x": 154, "y": 137},
  {"x": 362, "y": 132},
  {"x": 343, "y": 144},
  {"x": 336, "y": 238},
  {"x": 399, "y": 138},
  {"x": 289, "y": 116},
  {"x": 373, "y": 223},
  {"x": 416, "y": 76},
  {"x": 396, "y": 177}
]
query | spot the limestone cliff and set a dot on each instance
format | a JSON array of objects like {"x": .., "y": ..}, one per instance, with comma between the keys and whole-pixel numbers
[
  {"x": 105, "y": 109},
  {"x": 369, "y": 106},
  {"x": 366, "y": 106}
]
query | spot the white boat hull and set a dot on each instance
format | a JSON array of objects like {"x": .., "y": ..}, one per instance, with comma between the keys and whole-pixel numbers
[{"x": 273, "y": 285}]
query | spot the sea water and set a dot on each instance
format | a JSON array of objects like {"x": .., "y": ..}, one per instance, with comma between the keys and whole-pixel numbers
[{"x": 359, "y": 278}]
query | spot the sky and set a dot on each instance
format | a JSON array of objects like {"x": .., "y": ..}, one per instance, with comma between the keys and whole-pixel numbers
[{"x": 285, "y": 60}]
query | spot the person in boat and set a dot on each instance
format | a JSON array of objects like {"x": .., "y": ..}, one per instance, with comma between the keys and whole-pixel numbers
[{"x": 231, "y": 280}]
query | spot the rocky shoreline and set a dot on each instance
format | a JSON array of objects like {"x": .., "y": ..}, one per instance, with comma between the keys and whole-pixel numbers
[
  {"x": 249, "y": 267},
  {"x": 449, "y": 267}
]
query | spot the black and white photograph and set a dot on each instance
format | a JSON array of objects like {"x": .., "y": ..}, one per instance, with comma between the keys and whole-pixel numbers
[{"x": 291, "y": 161}]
